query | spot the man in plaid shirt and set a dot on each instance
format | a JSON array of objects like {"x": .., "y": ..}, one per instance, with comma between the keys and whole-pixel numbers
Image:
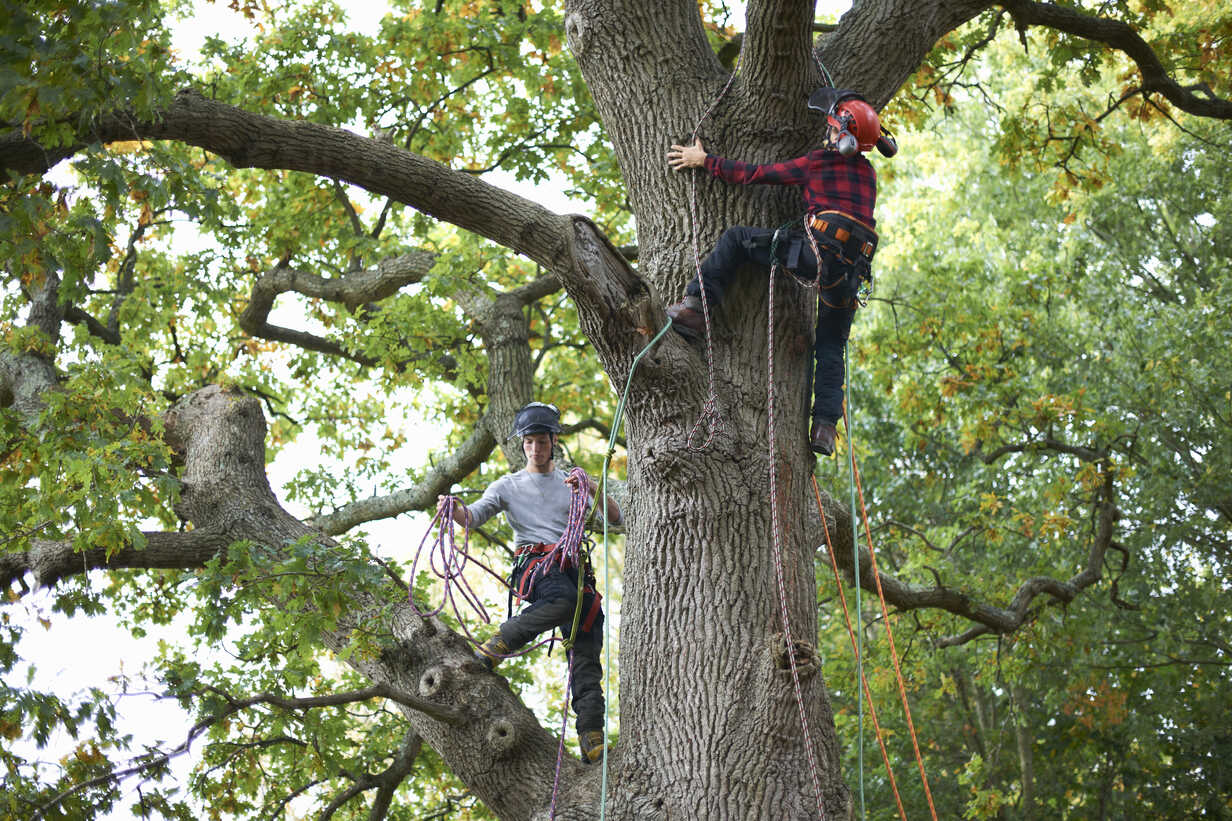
[{"x": 840, "y": 192}]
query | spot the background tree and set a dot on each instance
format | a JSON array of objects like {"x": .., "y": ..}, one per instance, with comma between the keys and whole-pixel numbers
[
  {"x": 1042, "y": 331},
  {"x": 154, "y": 365}
]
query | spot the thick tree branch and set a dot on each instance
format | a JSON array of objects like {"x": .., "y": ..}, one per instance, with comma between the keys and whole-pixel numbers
[
  {"x": 776, "y": 58},
  {"x": 353, "y": 290},
  {"x": 467, "y": 457},
  {"x": 1121, "y": 36},
  {"x": 988, "y": 618},
  {"x": 877, "y": 46},
  {"x": 50, "y": 561},
  {"x": 248, "y": 140},
  {"x": 382, "y": 280}
]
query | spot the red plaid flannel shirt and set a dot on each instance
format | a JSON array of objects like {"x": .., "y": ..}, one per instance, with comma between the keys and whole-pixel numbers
[{"x": 831, "y": 181}]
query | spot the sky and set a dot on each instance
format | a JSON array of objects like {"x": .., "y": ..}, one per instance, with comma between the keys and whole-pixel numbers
[{"x": 71, "y": 655}]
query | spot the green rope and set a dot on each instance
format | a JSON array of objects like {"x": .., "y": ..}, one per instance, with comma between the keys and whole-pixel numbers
[
  {"x": 855, "y": 547},
  {"x": 607, "y": 644},
  {"x": 568, "y": 643}
]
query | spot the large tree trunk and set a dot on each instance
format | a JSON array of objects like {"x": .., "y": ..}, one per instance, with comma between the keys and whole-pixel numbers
[{"x": 710, "y": 726}]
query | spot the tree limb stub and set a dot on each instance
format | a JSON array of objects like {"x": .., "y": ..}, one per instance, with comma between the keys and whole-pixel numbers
[{"x": 619, "y": 311}]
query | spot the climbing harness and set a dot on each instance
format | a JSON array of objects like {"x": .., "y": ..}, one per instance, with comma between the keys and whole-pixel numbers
[
  {"x": 852, "y": 243},
  {"x": 530, "y": 562}
]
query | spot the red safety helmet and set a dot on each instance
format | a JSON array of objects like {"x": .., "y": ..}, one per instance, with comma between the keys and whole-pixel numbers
[
  {"x": 859, "y": 127},
  {"x": 858, "y": 119}
]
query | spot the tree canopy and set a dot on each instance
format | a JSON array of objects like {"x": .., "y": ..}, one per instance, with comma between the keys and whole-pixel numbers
[{"x": 286, "y": 255}]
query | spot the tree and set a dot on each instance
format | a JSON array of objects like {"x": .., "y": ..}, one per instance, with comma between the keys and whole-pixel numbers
[{"x": 134, "y": 390}]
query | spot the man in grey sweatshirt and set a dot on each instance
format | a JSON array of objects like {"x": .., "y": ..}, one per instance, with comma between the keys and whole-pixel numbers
[{"x": 535, "y": 501}]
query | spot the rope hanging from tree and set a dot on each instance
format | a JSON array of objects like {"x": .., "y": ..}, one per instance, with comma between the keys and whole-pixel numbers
[
  {"x": 885, "y": 612},
  {"x": 564, "y": 726},
  {"x": 709, "y": 416},
  {"x": 447, "y": 561},
  {"x": 617, "y": 421},
  {"x": 851, "y": 632},
  {"x": 776, "y": 536}
]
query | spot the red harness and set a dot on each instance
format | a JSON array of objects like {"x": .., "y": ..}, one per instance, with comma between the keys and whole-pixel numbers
[{"x": 539, "y": 552}]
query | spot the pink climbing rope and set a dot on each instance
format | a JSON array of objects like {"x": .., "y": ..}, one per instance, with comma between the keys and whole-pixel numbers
[
  {"x": 447, "y": 562},
  {"x": 776, "y": 537},
  {"x": 564, "y": 726},
  {"x": 567, "y": 551}
]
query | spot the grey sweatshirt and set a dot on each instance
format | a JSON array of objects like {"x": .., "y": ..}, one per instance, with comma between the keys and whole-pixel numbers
[{"x": 536, "y": 505}]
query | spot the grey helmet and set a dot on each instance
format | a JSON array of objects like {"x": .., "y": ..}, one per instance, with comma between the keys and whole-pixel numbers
[{"x": 537, "y": 417}]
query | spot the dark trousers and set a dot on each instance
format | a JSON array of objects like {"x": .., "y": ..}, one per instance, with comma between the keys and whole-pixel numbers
[
  {"x": 741, "y": 245},
  {"x": 553, "y": 602}
]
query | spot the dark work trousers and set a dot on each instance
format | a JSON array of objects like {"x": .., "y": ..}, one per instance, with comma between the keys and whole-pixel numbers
[
  {"x": 553, "y": 601},
  {"x": 741, "y": 245}
]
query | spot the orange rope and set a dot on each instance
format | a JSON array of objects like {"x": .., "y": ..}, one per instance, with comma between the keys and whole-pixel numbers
[
  {"x": 902, "y": 688},
  {"x": 868, "y": 694}
]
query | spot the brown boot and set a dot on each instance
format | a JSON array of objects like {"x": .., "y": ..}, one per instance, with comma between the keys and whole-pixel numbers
[
  {"x": 822, "y": 437},
  {"x": 590, "y": 742},
  {"x": 687, "y": 318},
  {"x": 493, "y": 651}
]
